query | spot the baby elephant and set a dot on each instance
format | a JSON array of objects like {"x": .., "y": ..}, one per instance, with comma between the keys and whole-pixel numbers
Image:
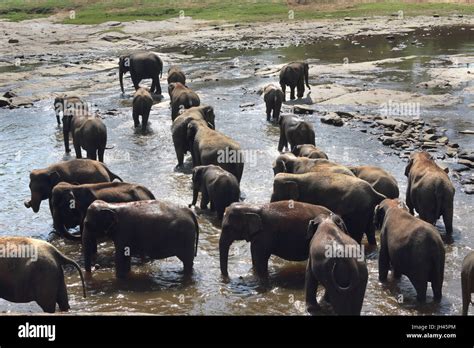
[
  {"x": 217, "y": 186},
  {"x": 310, "y": 151},
  {"x": 147, "y": 228},
  {"x": 35, "y": 273},
  {"x": 142, "y": 103},
  {"x": 382, "y": 181},
  {"x": 467, "y": 281},
  {"x": 430, "y": 191},
  {"x": 409, "y": 246},
  {"x": 273, "y": 97},
  {"x": 181, "y": 97},
  {"x": 337, "y": 261},
  {"x": 176, "y": 75},
  {"x": 90, "y": 134},
  {"x": 278, "y": 228},
  {"x": 295, "y": 131}
]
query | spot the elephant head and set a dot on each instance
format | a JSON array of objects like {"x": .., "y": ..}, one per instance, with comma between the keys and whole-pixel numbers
[
  {"x": 41, "y": 185},
  {"x": 422, "y": 156},
  {"x": 284, "y": 189},
  {"x": 306, "y": 74},
  {"x": 198, "y": 173},
  {"x": 208, "y": 115},
  {"x": 381, "y": 209},
  {"x": 99, "y": 221},
  {"x": 241, "y": 222},
  {"x": 124, "y": 66},
  {"x": 284, "y": 163},
  {"x": 334, "y": 218},
  {"x": 191, "y": 133}
]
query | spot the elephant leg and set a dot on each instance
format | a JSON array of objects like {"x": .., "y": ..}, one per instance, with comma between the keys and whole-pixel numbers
[
  {"x": 122, "y": 263},
  {"x": 259, "y": 259},
  {"x": 92, "y": 155},
  {"x": 136, "y": 82},
  {"x": 292, "y": 92},
  {"x": 48, "y": 306},
  {"x": 153, "y": 86},
  {"x": 282, "y": 143},
  {"x": 384, "y": 260},
  {"x": 188, "y": 263},
  {"x": 466, "y": 295},
  {"x": 448, "y": 222},
  {"x": 300, "y": 89},
  {"x": 180, "y": 157},
  {"x": 100, "y": 153},
  {"x": 396, "y": 274},
  {"x": 77, "y": 149},
  {"x": 420, "y": 285},
  {"x": 283, "y": 89},
  {"x": 437, "y": 287},
  {"x": 144, "y": 122},
  {"x": 58, "y": 120},
  {"x": 370, "y": 233},
  {"x": 174, "y": 111},
  {"x": 158, "y": 86},
  {"x": 62, "y": 299},
  {"x": 409, "y": 202},
  {"x": 311, "y": 286},
  {"x": 326, "y": 296},
  {"x": 136, "y": 121},
  {"x": 204, "y": 199},
  {"x": 269, "y": 111}
]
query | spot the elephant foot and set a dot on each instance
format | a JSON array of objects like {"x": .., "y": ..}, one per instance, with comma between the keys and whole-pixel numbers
[
  {"x": 313, "y": 308},
  {"x": 449, "y": 239}
]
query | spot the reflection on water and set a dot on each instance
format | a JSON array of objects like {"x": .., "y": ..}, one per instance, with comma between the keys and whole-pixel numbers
[{"x": 29, "y": 138}]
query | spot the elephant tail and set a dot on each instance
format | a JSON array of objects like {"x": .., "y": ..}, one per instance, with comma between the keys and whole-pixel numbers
[
  {"x": 353, "y": 271},
  {"x": 112, "y": 176},
  {"x": 197, "y": 232},
  {"x": 64, "y": 260}
]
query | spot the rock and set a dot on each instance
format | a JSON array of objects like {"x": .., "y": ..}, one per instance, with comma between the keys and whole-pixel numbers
[
  {"x": 390, "y": 37},
  {"x": 388, "y": 140},
  {"x": 332, "y": 119},
  {"x": 344, "y": 114},
  {"x": 363, "y": 130},
  {"x": 430, "y": 130},
  {"x": 9, "y": 95},
  {"x": 388, "y": 123},
  {"x": 300, "y": 109},
  {"x": 17, "y": 102},
  {"x": 468, "y": 189},
  {"x": 466, "y": 162},
  {"x": 430, "y": 137},
  {"x": 246, "y": 105},
  {"x": 436, "y": 15},
  {"x": 465, "y": 154},
  {"x": 347, "y": 18},
  {"x": 13, "y": 41},
  {"x": 466, "y": 181},
  {"x": 450, "y": 152},
  {"x": 401, "y": 128},
  {"x": 114, "y": 24},
  {"x": 4, "y": 102},
  {"x": 467, "y": 131},
  {"x": 457, "y": 167},
  {"x": 442, "y": 140},
  {"x": 429, "y": 145}
]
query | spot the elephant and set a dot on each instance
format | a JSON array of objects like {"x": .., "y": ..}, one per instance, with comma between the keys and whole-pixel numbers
[
  {"x": 89, "y": 133},
  {"x": 204, "y": 115},
  {"x": 68, "y": 106},
  {"x": 294, "y": 75},
  {"x": 142, "y": 65},
  {"x": 410, "y": 246},
  {"x": 181, "y": 97},
  {"x": 142, "y": 103},
  {"x": 81, "y": 171},
  {"x": 467, "y": 281},
  {"x": 278, "y": 228},
  {"x": 175, "y": 74},
  {"x": 295, "y": 131},
  {"x": 212, "y": 147},
  {"x": 147, "y": 228},
  {"x": 273, "y": 97},
  {"x": 343, "y": 276},
  {"x": 350, "y": 197},
  {"x": 217, "y": 186},
  {"x": 310, "y": 151},
  {"x": 382, "y": 181},
  {"x": 430, "y": 191},
  {"x": 288, "y": 163},
  {"x": 70, "y": 202},
  {"x": 35, "y": 276}
]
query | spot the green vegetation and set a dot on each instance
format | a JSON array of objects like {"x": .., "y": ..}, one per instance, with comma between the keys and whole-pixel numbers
[{"x": 98, "y": 11}]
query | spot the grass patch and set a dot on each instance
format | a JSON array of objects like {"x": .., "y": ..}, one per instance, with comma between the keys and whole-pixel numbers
[{"x": 95, "y": 11}]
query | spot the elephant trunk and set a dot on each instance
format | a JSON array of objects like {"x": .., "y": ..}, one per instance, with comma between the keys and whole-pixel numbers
[
  {"x": 60, "y": 228},
  {"x": 121, "y": 78},
  {"x": 224, "y": 245},
  {"x": 306, "y": 75},
  {"x": 34, "y": 203},
  {"x": 88, "y": 242},
  {"x": 195, "y": 194}
]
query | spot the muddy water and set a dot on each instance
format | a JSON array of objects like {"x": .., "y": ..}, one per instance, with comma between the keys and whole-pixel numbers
[{"x": 29, "y": 138}]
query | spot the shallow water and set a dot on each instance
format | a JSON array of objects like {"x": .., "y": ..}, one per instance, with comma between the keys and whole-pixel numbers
[{"x": 29, "y": 138}]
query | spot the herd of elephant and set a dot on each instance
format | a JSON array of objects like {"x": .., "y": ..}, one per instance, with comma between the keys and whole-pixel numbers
[{"x": 315, "y": 204}]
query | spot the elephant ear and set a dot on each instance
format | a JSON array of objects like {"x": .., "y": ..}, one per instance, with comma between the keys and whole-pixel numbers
[
  {"x": 339, "y": 223},
  {"x": 191, "y": 131},
  {"x": 253, "y": 226},
  {"x": 279, "y": 166},
  {"x": 197, "y": 176},
  {"x": 408, "y": 167},
  {"x": 379, "y": 216},
  {"x": 109, "y": 219},
  {"x": 208, "y": 113},
  {"x": 54, "y": 178},
  {"x": 314, "y": 224},
  {"x": 291, "y": 188}
]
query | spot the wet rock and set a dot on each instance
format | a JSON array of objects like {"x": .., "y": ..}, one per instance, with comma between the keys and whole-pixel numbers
[
  {"x": 458, "y": 167},
  {"x": 13, "y": 41},
  {"x": 468, "y": 189},
  {"x": 429, "y": 145},
  {"x": 390, "y": 37},
  {"x": 246, "y": 105},
  {"x": 388, "y": 123},
  {"x": 388, "y": 140},
  {"x": 4, "y": 102},
  {"x": 347, "y": 18},
  {"x": 450, "y": 152},
  {"x": 344, "y": 114},
  {"x": 466, "y": 162},
  {"x": 467, "y": 131},
  {"x": 466, "y": 154},
  {"x": 363, "y": 130},
  {"x": 17, "y": 102},
  {"x": 430, "y": 130},
  {"x": 430, "y": 137},
  {"x": 442, "y": 140},
  {"x": 467, "y": 181},
  {"x": 114, "y": 24},
  {"x": 436, "y": 15},
  {"x": 333, "y": 119},
  {"x": 401, "y": 128},
  {"x": 300, "y": 109},
  {"x": 9, "y": 95}
]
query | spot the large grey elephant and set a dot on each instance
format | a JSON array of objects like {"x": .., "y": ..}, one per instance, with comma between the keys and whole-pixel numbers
[
  {"x": 148, "y": 228},
  {"x": 289, "y": 163},
  {"x": 217, "y": 186},
  {"x": 203, "y": 115},
  {"x": 467, "y": 281},
  {"x": 295, "y": 131},
  {"x": 344, "y": 278},
  {"x": 381, "y": 180},
  {"x": 181, "y": 98},
  {"x": 142, "y": 103},
  {"x": 430, "y": 191},
  {"x": 350, "y": 197},
  {"x": 70, "y": 202},
  {"x": 142, "y": 65},
  {"x": 310, "y": 151},
  {"x": 273, "y": 98},
  {"x": 175, "y": 74},
  {"x": 212, "y": 147},
  {"x": 88, "y": 133},
  {"x": 80, "y": 171},
  {"x": 294, "y": 75},
  {"x": 409, "y": 246},
  {"x": 38, "y": 276},
  {"x": 278, "y": 228}
]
